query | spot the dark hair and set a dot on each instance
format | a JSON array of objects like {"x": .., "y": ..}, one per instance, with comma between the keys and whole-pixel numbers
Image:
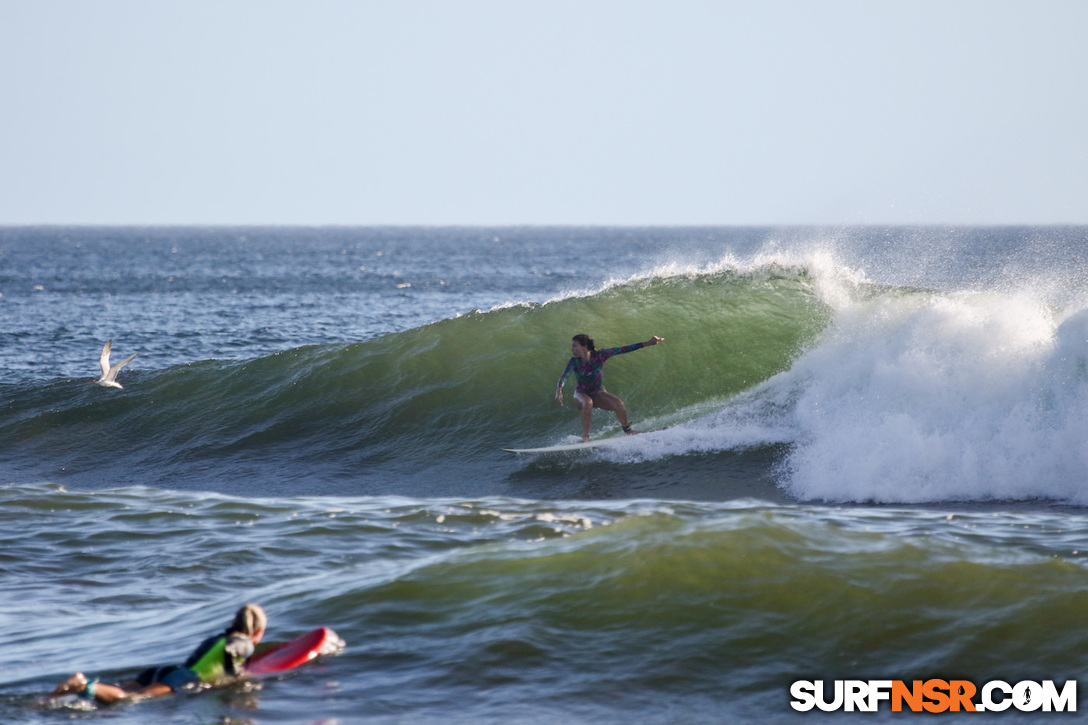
[{"x": 585, "y": 341}]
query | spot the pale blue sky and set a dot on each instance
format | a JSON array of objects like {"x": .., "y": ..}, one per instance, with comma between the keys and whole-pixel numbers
[{"x": 552, "y": 112}]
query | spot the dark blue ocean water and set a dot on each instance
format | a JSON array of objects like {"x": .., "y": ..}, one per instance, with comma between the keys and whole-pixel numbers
[{"x": 872, "y": 465}]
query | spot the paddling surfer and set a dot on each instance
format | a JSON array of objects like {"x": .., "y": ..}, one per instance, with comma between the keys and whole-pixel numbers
[
  {"x": 587, "y": 364},
  {"x": 219, "y": 657}
]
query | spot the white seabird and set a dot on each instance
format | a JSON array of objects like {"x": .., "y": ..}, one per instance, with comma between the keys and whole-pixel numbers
[{"x": 109, "y": 373}]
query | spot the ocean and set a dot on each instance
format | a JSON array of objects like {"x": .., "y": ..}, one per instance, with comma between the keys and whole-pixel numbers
[{"x": 866, "y": 461}]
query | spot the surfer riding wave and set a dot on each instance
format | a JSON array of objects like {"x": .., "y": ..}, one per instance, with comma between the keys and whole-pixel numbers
[{"x": 587, "y": 364}]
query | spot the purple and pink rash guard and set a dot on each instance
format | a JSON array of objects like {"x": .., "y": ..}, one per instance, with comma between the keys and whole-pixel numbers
[{"x": 590, "y": 373}]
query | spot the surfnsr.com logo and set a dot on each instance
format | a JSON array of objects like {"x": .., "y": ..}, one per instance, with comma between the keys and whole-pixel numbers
[{"x": 933, "y": 696}]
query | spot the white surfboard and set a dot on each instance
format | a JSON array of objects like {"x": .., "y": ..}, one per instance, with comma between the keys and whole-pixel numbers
[{"x": 567, "y": 447}]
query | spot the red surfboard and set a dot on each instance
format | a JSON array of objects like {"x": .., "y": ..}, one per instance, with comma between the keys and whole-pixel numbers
[{"x": 299, "y": 651}]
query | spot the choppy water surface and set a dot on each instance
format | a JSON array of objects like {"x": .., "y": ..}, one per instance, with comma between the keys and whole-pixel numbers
[{"x": 872, "y": 466}]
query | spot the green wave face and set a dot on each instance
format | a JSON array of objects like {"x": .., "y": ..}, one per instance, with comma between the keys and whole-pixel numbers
[
  {"x": 450, "y": 389},
  {"x": 486, "y": 376}
]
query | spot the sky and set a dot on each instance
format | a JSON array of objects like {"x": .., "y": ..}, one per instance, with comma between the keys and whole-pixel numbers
[{"x": 511, "y": 112}]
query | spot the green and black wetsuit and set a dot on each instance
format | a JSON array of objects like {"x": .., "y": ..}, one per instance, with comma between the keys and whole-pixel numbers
[{"x": 216, "y": 658}]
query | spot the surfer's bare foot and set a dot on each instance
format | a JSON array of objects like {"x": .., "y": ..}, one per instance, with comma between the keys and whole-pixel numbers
[
  {"x": 630, "y": 431},
  {"x": 585, "y": 439},
  {"x": 74, "y": 685}
]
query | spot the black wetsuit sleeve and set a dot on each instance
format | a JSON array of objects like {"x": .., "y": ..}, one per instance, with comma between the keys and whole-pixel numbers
[{"x": 200, "y": 651}]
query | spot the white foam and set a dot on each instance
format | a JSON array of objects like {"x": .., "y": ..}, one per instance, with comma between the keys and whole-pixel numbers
[
  {"x": 929, "y": 397},
  {"x": 968, "y": 392},
  {"x": 913, "y": 396}
]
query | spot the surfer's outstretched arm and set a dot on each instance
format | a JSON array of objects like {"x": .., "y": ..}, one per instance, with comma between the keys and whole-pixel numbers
[
  {"x": 603, "y": 355},
  {"x": 639, "y": 345},
  {"x": 105, "y": 694}
]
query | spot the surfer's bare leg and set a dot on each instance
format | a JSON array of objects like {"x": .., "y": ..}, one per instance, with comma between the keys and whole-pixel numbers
[
  {"x": 607, "y": 401},
  {"x": 586, "y": 404}
]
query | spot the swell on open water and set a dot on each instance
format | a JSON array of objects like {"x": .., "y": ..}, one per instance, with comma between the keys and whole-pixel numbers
[{"x": 867, "y": 460}]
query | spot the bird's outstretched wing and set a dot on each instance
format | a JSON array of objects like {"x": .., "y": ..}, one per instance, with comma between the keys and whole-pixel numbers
[
  {"x": 113, "y": 370},
  {"x": 105, "y": 359}
]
